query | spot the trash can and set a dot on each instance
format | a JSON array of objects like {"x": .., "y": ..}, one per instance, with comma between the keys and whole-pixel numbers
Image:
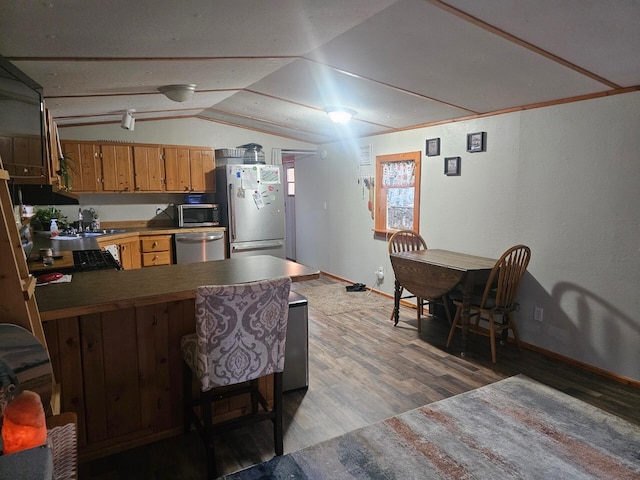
[{"x": 296, "y": 353}]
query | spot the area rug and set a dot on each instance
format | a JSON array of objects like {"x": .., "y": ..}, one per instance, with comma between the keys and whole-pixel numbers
[
  {"x": 513, "y": 429},
  {"x": 334, "y": 299}
]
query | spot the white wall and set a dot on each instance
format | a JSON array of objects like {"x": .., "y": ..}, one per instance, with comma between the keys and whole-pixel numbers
[
  {"x": 120, "y": 207},
  {"x": 563, "y": 180}
]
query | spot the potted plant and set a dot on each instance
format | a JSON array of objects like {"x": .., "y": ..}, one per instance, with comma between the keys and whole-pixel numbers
[
  {"x": 43, "y": 216},
  {"x": 65, "y": 171}
]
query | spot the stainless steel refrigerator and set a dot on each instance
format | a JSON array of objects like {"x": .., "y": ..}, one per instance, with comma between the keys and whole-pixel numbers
[{"x": 251, "y": 198}]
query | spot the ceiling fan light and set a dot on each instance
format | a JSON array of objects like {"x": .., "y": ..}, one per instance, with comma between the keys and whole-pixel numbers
[
  {"x": 179, "y": 93},
  {"x": 339, "y": 114}
]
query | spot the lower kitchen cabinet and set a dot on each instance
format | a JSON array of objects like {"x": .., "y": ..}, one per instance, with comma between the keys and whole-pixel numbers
[
  {"x": 121, "y": 372},
  {"x": 156, "y": 250},
  {"x": 128, "y": 250}
]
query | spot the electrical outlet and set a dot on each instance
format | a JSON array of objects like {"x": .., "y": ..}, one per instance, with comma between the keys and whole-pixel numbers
[
  {"x": 380, "y": 273},
  {"x": 538, "y": 313}
]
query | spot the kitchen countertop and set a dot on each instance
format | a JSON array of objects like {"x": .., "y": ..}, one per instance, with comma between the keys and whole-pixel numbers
[
  {"x": 42, "y": 240},
  {"x": 107, "y": 290}
]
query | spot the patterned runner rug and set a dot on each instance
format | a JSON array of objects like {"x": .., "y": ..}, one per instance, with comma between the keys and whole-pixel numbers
[{"x": 513, "y": 429}]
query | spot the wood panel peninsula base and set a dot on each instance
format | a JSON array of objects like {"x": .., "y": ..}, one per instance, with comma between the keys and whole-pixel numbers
[{"x": 114, "y": 341}]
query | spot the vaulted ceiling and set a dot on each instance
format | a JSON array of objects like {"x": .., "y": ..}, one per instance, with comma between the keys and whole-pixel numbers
[{"x": 273, "y": 66}]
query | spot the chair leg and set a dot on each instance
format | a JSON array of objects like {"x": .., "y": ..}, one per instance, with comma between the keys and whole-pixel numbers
[
  {"x": 277, "y": 421},
  {"x": 206, "y": 408},
  {"x": 419, "y": 310},
  {"x": 445, "y": 302},
  {"x": 186, "y": 397},
  {"x": 492, "y": 336},
  {"x": 512, "y": 325},
  {"x": 454, "y": 324}
]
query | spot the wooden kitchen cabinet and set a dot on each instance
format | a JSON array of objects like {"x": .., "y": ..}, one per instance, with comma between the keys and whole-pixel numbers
[
  {"x": 189, "y": 169},
  {"x": 23, "y": 158},
  {"x": 85, "y": 166},
  {"x": 148, "y": 168},
  {"x": 156, "y": 250},
  {"x": 177, "y": 170},
  {"x": 203, "y": 169},
  {"x": 128, "y": 250},
  {"x": 117, "y": 168},
  {"x": 121, "y": 372}
]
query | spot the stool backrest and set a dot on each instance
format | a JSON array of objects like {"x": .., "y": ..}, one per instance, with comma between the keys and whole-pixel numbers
[{"x": 241, "y": 330}]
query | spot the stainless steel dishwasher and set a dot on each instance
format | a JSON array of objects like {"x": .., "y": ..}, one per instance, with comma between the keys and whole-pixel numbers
[{"x": 195, "y": 247}]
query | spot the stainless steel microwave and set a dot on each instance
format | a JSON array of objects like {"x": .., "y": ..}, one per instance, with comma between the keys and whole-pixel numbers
[{"x": 198, "y": 215}]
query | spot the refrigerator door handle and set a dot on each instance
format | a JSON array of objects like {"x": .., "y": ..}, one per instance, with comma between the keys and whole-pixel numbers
[
  {"x": 257, "y": 245},
  {"x": 232, "y": 213}
]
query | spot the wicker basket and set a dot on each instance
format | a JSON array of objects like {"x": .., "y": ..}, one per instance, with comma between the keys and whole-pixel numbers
[{"x": 231, "y": 153}]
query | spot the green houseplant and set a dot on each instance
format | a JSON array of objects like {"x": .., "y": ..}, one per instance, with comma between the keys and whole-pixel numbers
[
  {"x": 66, "y": 169},
  {"x": 43, "y": 216}
]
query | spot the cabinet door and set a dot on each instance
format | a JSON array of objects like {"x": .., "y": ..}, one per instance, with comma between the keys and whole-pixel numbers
[
  {"x": 117, "y": 168},
  {"x": 85, "y": 169},
  {"x": 148, "y": 167},
  {"x": 28, "y": 157},
  {"x": 129, "y": 253},
  {"x": 202, "y": 167},
  {"x": 177, "y": 172}
]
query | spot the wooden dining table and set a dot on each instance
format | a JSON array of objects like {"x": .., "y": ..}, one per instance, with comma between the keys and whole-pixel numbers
[{"x": 432, "y": 273}]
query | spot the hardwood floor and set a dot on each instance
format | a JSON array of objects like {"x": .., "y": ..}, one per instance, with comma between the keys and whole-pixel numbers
[{"x": 363, "y": 369}]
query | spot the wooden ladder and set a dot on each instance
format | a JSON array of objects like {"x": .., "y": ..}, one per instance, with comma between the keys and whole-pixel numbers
[{"x": 17, "y": 288}]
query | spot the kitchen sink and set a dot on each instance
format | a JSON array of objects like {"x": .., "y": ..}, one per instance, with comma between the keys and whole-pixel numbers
[{"x": 96, "y": 233}]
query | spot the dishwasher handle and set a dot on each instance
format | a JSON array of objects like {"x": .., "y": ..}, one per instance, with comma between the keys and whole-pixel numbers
[{"x": 209, "y": 237}]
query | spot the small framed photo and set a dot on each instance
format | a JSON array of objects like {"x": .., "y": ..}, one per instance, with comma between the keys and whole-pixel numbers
[
  {"x": 477, "y": 142},
  {"x": 433, "y": 147},
  {"x": 452, "y": 166}
]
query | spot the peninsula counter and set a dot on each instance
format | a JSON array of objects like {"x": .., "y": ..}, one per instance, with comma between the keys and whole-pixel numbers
[{"x": 114, "y": 342}]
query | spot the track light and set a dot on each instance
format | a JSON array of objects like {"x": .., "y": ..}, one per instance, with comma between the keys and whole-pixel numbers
[
  {"x": 128, "y": 122},
  {"x": 179, "y": 93},
  {"x": 339, "y": 114}
]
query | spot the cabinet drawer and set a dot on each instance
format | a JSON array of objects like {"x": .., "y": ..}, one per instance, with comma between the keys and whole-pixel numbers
[
  {"x": 149, "y": 259},
  {"x": 158, "y": 243}
]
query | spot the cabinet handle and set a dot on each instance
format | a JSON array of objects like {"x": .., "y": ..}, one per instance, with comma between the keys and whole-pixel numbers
[{"x": 155, "y": 244}]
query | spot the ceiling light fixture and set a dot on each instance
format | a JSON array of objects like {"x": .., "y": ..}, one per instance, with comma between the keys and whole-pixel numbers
[
  {"x": 128, "y": 122},
  {"x": 179, "y": 93},
  {"x": 339, "y": 114}
]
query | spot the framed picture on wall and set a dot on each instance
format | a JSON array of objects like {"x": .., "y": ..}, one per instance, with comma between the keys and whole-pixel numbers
[
  {"x": 433, "y": 147},
  {"x": 477, "y": 142},
  {"x": 452, "y": 166}
]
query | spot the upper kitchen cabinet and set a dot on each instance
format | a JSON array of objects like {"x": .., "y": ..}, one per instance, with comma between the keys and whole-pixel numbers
[
  {"x": 83, "y": 165},
  {"x": 203, "y": 169},
  {"x": 177, "y": 170},
  {"x": 22, "y": 121},
  {"x": 148, "y": 168},
  {"x": 189, "y": 169},
  {"x": 117, "y": 168}
]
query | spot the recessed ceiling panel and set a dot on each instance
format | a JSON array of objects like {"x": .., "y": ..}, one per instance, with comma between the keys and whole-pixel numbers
[
  {"x": 189, "y": 28},
  {"x": 601, "y": 37},
  {"x": 318, "y": 86},
  {"x": 158, "y": 104},
  {"x": 421, "y": 48}
]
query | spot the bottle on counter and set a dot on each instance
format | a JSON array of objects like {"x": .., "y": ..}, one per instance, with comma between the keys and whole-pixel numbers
[{"x": 54, "y": 228}]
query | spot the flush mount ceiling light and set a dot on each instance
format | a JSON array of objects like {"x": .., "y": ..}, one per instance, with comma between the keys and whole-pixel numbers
[
  {"x": 179, "y": 93},
  {"x": 339, "y": 114},
  {"x": 128, "y": 122}
]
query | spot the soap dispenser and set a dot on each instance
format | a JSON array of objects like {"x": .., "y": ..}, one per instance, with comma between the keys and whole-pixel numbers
[{"x": 54, "y": 228}]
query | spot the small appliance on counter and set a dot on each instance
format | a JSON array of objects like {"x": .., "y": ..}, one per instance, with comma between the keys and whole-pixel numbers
[{"x": 197, "y": 215}]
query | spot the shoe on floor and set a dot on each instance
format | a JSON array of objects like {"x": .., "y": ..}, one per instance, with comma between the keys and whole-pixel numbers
[{"x": 356, "y": 287}]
